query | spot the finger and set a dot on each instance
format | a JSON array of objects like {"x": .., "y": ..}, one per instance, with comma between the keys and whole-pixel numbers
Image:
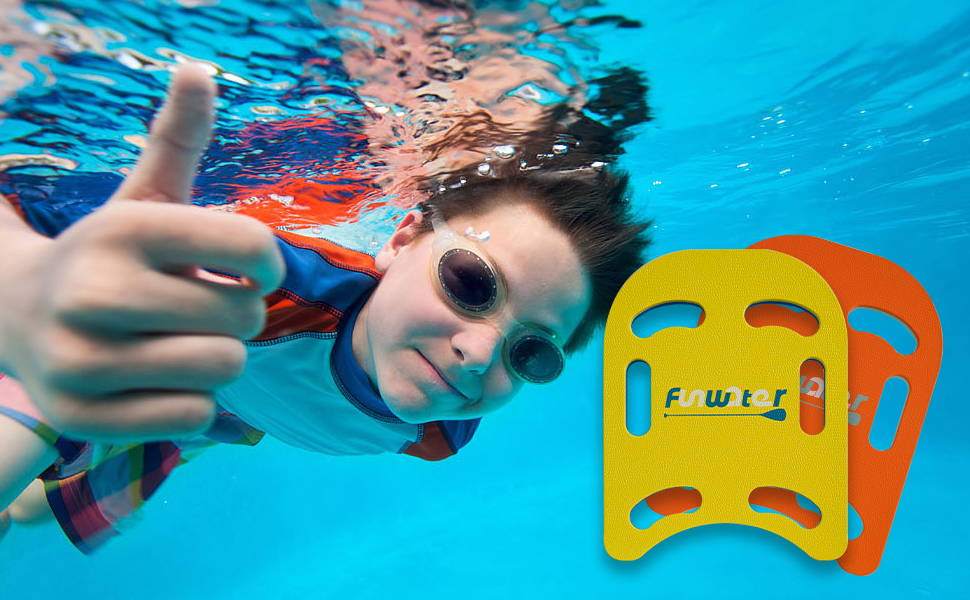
[
  {"x": 221, "y": 241},
  {"x": 179, "y": 135},
  {"x": 255, "y": 259},
  {"x": 150, "y": 302},
  {"x": 201, "y": 363},
  {"x": 134, "y": 416}
]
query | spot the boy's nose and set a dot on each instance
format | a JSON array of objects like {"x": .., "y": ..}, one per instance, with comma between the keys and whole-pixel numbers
[{"x": 477, "y": 346}]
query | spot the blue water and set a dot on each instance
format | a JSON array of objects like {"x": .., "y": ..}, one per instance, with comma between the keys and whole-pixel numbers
[{"x": 842, "y": 120}]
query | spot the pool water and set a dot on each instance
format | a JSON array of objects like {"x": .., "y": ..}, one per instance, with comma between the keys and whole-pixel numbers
[{"x": 841, "y": 120}]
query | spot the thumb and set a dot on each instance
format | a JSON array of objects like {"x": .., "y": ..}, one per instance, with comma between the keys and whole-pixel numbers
[{"x": 179, "y": 135}]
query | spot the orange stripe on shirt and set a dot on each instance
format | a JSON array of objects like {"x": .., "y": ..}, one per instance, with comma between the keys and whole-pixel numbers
[
  {"x": 333, "y": 253},
  {"x": 286, "y": 316},
  {"x": 433, "y": 446}
]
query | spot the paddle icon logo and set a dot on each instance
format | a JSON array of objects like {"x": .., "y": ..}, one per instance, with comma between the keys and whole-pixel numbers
[{"x": 778, "y": 414}]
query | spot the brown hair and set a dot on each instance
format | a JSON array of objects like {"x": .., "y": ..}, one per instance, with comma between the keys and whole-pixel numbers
[{"x": 590, "y": 205}]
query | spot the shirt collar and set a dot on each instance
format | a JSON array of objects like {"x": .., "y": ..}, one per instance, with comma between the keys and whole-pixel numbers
[{"x": 352, "y": 380}]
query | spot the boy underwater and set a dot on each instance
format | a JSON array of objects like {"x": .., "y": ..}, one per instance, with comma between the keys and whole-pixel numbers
[{"x": 487, "y": 286}]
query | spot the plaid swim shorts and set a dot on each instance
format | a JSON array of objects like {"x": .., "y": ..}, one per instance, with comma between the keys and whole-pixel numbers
[{"x": 94, "y": 489}]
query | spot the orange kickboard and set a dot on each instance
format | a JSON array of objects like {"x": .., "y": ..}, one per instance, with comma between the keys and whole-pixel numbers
[{"x": 876, "y": 477}]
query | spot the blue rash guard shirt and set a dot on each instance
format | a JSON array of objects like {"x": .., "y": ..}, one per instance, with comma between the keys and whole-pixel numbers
[{"x": 301, "y": 383}]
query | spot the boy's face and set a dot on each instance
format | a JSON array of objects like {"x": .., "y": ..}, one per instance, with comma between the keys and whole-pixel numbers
[{"x": 406, "y": 331}]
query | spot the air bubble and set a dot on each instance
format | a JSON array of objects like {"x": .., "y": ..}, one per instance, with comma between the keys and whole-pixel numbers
[
  {"x": 484, "y": 169},
  {"x": 504, "y": 151},
  {"x": 560, "y": 148}
]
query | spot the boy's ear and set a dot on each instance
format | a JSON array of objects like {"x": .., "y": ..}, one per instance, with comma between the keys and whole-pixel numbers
[{"x": 404, "y": 234}]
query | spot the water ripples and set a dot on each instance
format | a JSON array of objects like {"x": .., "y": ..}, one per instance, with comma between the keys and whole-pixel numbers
[{"x": 326, "y": 110}]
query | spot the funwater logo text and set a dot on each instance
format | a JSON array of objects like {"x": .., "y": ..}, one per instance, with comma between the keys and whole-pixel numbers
[{"x": 727, "y": 398}]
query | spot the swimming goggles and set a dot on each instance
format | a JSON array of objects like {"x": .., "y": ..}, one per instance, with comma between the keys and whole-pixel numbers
[{"x": 468, "y": 281}]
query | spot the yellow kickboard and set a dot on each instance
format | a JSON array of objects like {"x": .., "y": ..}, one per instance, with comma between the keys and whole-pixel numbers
[{"x": 725, "y": 452}]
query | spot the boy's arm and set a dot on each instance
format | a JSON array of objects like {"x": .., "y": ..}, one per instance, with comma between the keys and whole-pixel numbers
[{"x": 24, "y": 456}]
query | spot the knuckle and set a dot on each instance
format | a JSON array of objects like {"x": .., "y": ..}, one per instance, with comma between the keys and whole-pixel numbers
[
  {"x": 228, "y": 358},
  {"x": 66, "y": 412},
  {"x": 123, "y": 219},
  {"x": 194, "y": 416},
  {"x": 67, "y": 361},
  {"x": 256, "y": 239},
  {"x": 79, "y": 296}
]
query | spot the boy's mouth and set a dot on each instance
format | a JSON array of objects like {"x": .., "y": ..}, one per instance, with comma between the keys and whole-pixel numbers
[{"x": 440, "y": 379}]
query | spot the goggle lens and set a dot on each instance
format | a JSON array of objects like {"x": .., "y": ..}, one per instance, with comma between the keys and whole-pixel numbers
[
  {"x": 467, "y": 280},
  {"x": 535, "y": 358}
]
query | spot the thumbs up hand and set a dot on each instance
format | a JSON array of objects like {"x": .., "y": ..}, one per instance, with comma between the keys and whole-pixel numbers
[{"x": 112, "y": 328}]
